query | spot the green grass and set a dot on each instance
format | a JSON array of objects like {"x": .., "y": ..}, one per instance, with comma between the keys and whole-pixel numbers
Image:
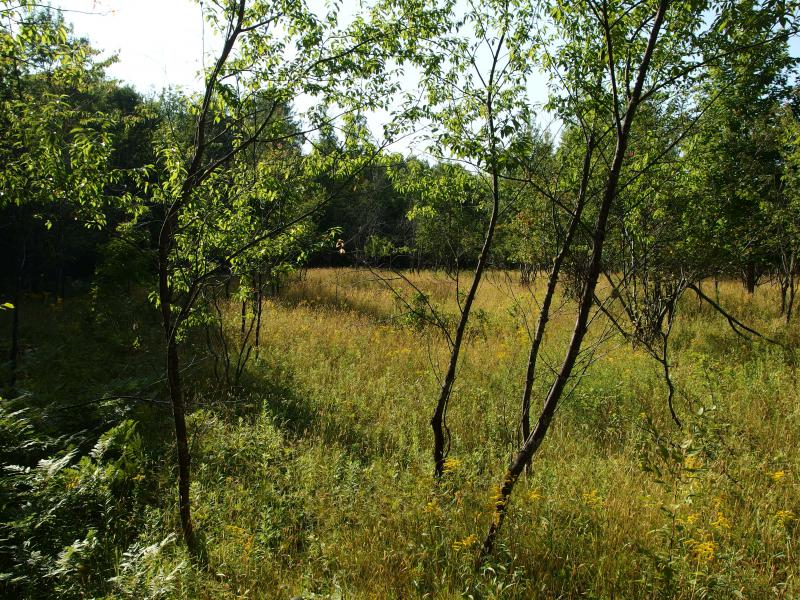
[{"x": 316, "y": 480}]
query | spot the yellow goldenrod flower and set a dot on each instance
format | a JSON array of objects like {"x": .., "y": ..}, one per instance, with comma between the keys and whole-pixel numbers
[
  {"x": 451, "y": 464},
  {"x": 591, "y": 499},
  {"x": 778, "y": 475},
  {"x": 498, "y": 495},
  {"x": 785, "y": 516},
  {"x": 692, "y": 463},
  {"x": 466, "y": 543},
  {"x": 704, "y": 551},
  {"x": 534, "y": 495},
  {"x": 721, "y": 522}
]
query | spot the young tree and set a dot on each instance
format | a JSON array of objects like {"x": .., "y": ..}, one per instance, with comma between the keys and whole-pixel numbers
[
  {"x": 611, "y": 59},
  {"x": 205, "y": 198},
  {"x": 475, "y": 101}
]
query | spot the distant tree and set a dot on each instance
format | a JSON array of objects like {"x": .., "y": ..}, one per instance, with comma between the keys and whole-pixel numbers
[
  {"x": 446, "y": 214},
  {"x": 475, "y": 100},
  {"x": 736, "y": 156},
  {"x": 56, "y": 152}
]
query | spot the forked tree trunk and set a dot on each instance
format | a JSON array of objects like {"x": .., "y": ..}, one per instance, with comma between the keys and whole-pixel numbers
[
  {"x": 534, "y": 440},
  {"x": 552, "y": 281},
  {"x": 440, "y": 413},
  {"x": 438, "y": 419},
  {"x": 170, "y": 325}
]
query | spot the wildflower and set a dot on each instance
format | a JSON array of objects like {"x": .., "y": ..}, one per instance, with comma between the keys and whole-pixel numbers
[
  {"x": 721, "y": 522},
  {"x": 704, "y": 551},
  {"x": 777, "y": 476},
  {"x": 432, "y": 507},
  {"x": 466, "y": 543},
  {"x": 691, "y": 518},
  {"x": 498, "y": 500},
  {"x": 785, "y": 516},
  {"x": 591, "y": 499},
  {"x": 451, "y": 464},
  {"x": 534, "y": 495},
  {"x": 692, "y": 463}
]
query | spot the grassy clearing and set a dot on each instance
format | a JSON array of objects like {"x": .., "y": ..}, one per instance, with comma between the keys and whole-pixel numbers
[
  {"x": 316, "y": 481},
  {"x": 324, "y": 488}
]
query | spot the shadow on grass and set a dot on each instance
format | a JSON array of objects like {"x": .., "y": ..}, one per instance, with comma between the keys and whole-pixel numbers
[
  {"x": 274, "y": 389},
  {"x": 322, "y": 297}
]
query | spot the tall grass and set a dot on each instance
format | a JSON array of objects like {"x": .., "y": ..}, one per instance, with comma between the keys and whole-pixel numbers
[{"x": 318, "y": 483}]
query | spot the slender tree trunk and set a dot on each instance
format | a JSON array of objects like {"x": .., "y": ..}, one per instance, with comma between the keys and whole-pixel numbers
[
  {"x": 784, "y": 283},
  {"x": 437, "y": 421},
  {"x": 552, "y": 281},
  {"x": 244, "y": 317},
  {"x": 439, "y": 415},
  {"x": 533, "y": 442},
  {"x": 750, "y": 277},
  {"x": 166, "y": 240},
  {"x": 259, "y": 303},
  {"x": 792, "y": 287}
]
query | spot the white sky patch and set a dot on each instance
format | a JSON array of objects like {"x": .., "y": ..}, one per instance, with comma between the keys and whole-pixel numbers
[{"x": 159, "y": 42}]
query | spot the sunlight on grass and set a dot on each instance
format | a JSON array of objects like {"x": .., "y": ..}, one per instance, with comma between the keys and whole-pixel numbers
[{"x": 327, "y": 489}]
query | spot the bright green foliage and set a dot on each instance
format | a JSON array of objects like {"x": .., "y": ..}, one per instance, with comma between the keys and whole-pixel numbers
[
  {"x": 54, "y": 150},
  {"x": 310, "y": 470},
  {"x": 735, "y": 167},
  {"x": 448, "y": 213},
  {"x": 77, "y": 510}
]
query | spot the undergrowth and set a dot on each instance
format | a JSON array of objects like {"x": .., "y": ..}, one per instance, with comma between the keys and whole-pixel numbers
[{"x": 315, "y": 479}]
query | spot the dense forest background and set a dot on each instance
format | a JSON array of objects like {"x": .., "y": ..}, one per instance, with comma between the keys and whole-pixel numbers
[{"x": 230, "y": 325}]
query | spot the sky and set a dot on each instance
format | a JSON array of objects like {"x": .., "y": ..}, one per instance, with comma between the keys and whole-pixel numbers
[{"x": 159, "y": 42}]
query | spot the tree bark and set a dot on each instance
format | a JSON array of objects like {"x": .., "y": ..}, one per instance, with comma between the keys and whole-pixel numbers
[
  {"x": 439, "y": 415},
  {"x": 259, "y": 305},
  {"x": 170, "y": 325},
  {"x": 552, "y": 281},
  {"x": 750, "y": 277},
  {"x": 437, "y": 421},
  {"x": 533, "y": 442}
]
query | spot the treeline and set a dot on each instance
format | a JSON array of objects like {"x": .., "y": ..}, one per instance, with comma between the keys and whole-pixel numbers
[
  {"x": 78, "y": 145},
  {"x": 677, "y": 159}
]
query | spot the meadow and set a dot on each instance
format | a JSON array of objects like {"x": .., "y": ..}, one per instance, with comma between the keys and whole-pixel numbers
[{"x": 315, "y": 479}]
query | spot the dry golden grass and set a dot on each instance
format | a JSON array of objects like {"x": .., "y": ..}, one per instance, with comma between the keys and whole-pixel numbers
[{"x": 327, "y": 489}]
